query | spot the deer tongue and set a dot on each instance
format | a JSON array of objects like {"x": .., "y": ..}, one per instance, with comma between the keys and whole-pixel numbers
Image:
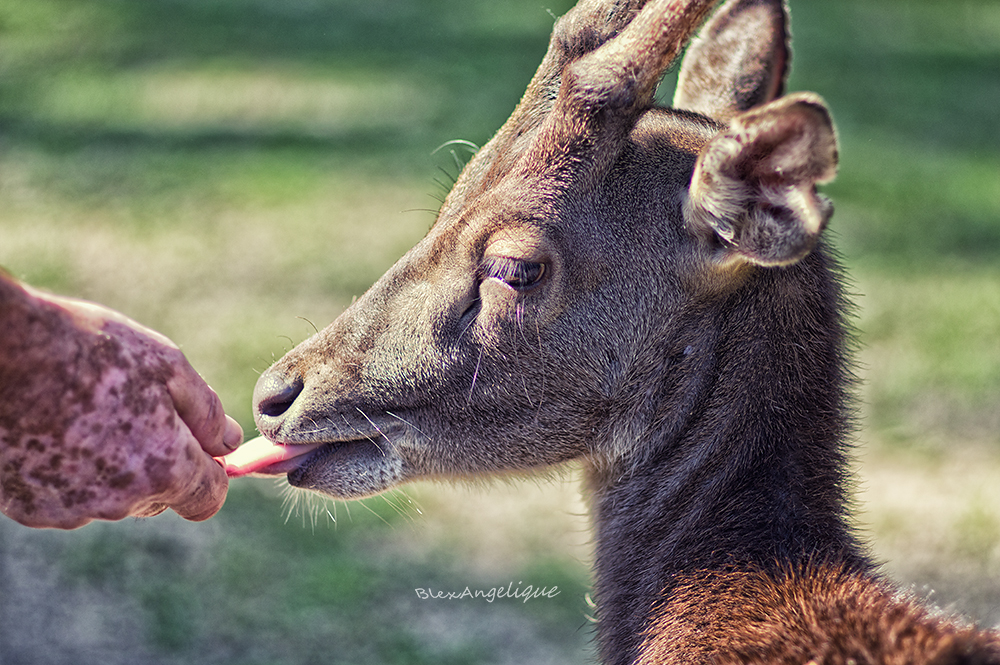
[{"x": 257, "y": 455}]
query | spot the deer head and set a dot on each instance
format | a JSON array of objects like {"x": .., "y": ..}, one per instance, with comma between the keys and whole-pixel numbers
[{"x": 556, "y": 308}]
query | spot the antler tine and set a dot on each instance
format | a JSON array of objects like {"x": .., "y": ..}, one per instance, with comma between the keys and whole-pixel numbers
[
  {"x": 647, "y": 46},
  {"x": 602, "y": 92},
  {"x": 603, "y": 54},
  {"x": 585, "y": 27}
]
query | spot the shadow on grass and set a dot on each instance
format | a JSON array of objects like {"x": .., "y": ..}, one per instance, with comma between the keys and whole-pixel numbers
[
  {"x": 914, "y": 88},
  {"x": 481, "y": 59}
]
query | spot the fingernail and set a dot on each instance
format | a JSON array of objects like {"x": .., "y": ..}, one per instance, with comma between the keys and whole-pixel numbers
[{"x": 233, "y": 436}]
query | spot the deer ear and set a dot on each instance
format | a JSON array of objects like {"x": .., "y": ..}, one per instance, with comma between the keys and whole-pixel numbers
[
  {"x": 739, "y": 61},
  {"x": 754, "y": 184}
]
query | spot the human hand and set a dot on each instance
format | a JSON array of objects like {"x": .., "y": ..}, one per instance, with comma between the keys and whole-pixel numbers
[{"x": 101, "y": 418}]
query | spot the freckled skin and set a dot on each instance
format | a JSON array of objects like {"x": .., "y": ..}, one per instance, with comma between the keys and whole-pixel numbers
[{"x": 101, "y": 418}]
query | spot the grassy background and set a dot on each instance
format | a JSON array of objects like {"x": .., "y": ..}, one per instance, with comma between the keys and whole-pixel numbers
[{"x": 227, "y": 171}]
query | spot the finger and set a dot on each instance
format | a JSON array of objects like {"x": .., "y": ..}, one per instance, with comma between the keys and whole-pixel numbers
[
  {"x": 152, "y": 510},
  {"x": 205, "y": 495},
  {"x": 61, "y": 521},
  {"x": 233, "y": 436},
  {"x": 201, "y": 410}
]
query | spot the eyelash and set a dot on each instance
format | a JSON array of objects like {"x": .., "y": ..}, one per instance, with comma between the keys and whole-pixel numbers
[{"x": 518, "y": 274}]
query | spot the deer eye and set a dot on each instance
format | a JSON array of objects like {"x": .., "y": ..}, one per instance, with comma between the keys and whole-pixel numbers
[{"x": 518, "y": 274}]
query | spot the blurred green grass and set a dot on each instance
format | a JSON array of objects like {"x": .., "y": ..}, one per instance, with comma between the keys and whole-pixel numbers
[{"x": 233, "y": 171}]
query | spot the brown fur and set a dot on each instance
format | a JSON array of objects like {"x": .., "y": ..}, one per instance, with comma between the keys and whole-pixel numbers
[{"x": 821, "y": 614}]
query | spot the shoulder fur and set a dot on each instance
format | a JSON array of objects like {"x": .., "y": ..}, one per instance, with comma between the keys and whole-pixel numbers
[{"x": 816, "y": 616}]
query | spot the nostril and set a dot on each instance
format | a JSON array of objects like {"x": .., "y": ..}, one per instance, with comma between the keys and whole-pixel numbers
[{"x": 275, "y": 395}]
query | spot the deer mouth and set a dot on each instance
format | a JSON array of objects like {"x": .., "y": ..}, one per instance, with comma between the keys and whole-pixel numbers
[{"x": 263, "y": 457}]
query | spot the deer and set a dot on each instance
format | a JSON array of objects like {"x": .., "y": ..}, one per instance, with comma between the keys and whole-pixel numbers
[{"x": 645, "y": 289}]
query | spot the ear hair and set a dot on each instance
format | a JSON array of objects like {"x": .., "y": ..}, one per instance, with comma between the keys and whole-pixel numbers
[
  {"x": 739, "y": 61},
  {"x": 754, "y": 185}
]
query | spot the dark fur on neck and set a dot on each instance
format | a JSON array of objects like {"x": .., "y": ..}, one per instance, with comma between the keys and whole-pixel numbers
[{"x": 755, "y": 479}]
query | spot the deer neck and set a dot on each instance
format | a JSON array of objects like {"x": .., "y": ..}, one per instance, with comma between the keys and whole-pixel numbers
[{"x": 747, "y": 469}]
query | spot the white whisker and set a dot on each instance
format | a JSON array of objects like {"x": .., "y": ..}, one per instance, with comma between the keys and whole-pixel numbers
[
  {"x": 372, "y": 422},
  {"x": 403, "y": 420},
  {"x": 475, "y": 375}
]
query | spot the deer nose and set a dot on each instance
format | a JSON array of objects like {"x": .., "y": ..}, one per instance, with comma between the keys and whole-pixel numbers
[{"x": 274, "y": 394}]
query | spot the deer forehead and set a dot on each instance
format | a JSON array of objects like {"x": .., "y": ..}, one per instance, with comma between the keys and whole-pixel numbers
[{"x": 523, "y": 212}]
